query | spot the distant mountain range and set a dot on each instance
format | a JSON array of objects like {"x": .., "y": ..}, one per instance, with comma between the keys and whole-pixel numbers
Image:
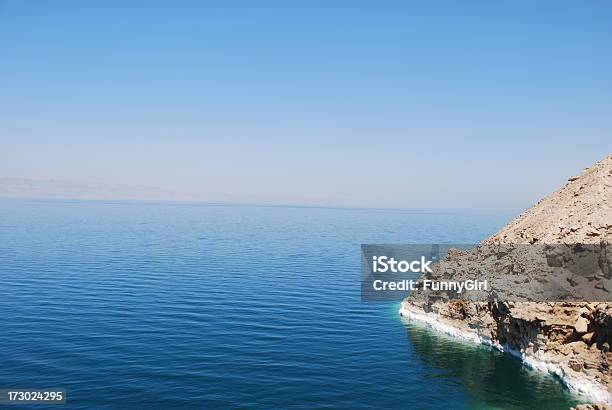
[
  {"x": 66, "y": 189},
  {"x": 59, "y": 189}
]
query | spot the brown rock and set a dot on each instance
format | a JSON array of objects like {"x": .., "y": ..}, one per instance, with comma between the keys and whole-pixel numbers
[
  {"x": 581, "y": 325},
  {"x": 588, "y": 337},
  {"x": 607, "y": 284},
  {"x": 575, "y": 365}
]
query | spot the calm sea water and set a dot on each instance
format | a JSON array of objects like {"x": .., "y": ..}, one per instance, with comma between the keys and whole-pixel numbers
[{"x": 184, "y": 306}]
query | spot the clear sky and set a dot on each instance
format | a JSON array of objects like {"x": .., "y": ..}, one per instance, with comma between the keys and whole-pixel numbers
[{"x": 412, "y": 104}]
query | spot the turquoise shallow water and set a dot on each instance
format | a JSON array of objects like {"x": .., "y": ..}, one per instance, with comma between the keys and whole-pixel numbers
[{"x": 191, "y": 306}]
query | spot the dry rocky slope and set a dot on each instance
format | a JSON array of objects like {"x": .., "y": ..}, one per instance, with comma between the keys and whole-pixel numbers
[{"x": 571, "y": 340}]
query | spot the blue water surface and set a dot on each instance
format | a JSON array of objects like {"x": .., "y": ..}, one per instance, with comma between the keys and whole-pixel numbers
[{"x": 143, "y": 305}]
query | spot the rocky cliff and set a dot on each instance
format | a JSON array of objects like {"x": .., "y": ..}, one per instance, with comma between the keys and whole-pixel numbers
[{"x": 571, "y": 340}]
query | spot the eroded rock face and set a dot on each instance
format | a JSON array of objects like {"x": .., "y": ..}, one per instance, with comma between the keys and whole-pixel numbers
[{"x": 572, "y": 340}]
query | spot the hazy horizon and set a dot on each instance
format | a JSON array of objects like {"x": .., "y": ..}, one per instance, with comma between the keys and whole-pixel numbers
[{"x": 393, "y": 104}]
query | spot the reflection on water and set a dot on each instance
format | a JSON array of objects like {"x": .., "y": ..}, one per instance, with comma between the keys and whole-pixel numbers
[{"x": 487, "y": 375}]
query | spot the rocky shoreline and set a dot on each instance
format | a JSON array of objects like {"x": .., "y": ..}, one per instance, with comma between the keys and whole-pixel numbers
[
  {"x": 591, "y": 390},
  {"x": 568, "y": 339}
]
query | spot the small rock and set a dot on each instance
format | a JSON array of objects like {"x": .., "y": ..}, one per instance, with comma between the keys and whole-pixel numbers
[
  {"x": 575, "y": 365},
  {"x": 581, "y": 325},
  {"x": 579, "y": 348},
  {"x": 586, "y": 338}
]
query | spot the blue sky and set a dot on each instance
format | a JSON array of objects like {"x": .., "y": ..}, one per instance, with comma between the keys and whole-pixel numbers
[{"x": 401, "y": 104}]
